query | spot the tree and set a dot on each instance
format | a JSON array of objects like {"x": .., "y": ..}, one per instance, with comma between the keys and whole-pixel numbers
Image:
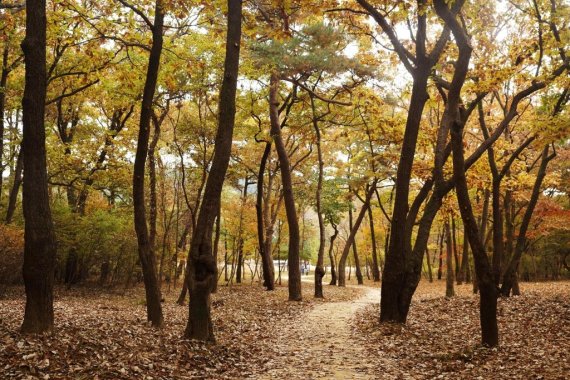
[
  {"x": 201, "y": 269},
  {"x": 39, "y": 248},
  {"x": 146, "y": 250}
]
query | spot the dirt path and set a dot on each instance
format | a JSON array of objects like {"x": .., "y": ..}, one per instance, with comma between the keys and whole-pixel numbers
[{"x": 322, "y": 346}]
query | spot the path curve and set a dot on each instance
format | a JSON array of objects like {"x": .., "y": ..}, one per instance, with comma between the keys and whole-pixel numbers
[{"x": 322, "y": 345}]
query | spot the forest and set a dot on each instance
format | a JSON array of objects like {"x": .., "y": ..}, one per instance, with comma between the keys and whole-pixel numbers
[{"x": 267, "y": 189}]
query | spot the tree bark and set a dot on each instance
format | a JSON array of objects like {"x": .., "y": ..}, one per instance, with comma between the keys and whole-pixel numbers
[
  {"x": 39, "y": 237},
  {"x": 352, "y": 235},
  {"x": 319, "y": 270},
  {"x": 3, "y": 82},
  {"x": 293, "y": 261},
  {"x": 375, "y": 270},
  {"x": 17, "y": 182},
  {"x": 331, "y": 256},
  {"x": 240, "y": 269},
  {"x": 358, "y": 271},
  {"x": 449, "y": 276},
  {"x": 430, "y": 274},
  {"x": 266, "y": 258},
  {"x": 440, "y": 263},
  {"x": 145, "y": 248},
  {"x": 216, "y": 244},
  {"x": 509, "y": 277},
  {"x": 455, "y": 251},
  {"x": 201, "y": 270}
]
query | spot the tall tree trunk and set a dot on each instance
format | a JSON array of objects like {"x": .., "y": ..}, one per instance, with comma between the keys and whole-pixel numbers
[
  {"x": 266, "y": 258},
  {"x": 440, "y": 263},
  {"x": 201, "y": 272},
  {"x": 39, "y": 237},
  {"x": 352, "y": 235},
  {"x": 319, "y": 270},
  {"x": 240, "y": 269},
  {"x": 430, "y": 274},
  {"x": 394, "y": 265},
  {"x": 464, "y": 270},
  {"x": 331, "y": 256},
  {"x": 17, "y": 182},
  {"x": 358, "y": 271},
  {"x": 455, "y": 250},
  {"x": 510, "y": 275},
  {"x": 153, "y": 199},
  {"x": 145, "y": 248},
  {"x": 488, "y": 290},
  {"x": 375, "y": 270},
  {"x": 449, "y": 290},
  {"x": 3, "y": 82},
  {"x": 293, "y": 259}
]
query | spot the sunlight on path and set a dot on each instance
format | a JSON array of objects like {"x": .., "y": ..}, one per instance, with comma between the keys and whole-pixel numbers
[{"x": 322, "y": 345}]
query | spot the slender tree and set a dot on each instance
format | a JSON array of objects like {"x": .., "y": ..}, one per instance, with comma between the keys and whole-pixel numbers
[
  {"x": 201, "y": 269},
  {"x": 145, "y": 248},
  {"x": 39, "y": 237},
  {"x": 293, "y": 259}
]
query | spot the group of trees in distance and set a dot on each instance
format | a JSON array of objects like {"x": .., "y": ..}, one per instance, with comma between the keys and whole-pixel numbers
[{"x": 187, "y": 143}]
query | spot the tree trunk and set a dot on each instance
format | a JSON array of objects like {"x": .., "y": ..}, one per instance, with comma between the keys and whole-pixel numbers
[
  {"x": 430, "y": 274},
  {"x": 358, "y": 271},
  {"x": 375, "y": 270},
  {"x": 509, "y": 277},
  {"x": 293, "y": 259},
  {"x": 455, "y": 251},
  {"x": 39, "y": 237},
  {"x": 153, "y": 200},
  {"x": 240, "y": 269},
  {"x": 216, "y": 244},
  {"x": 440, "y": 264},
  {"x": 352, "y": 235},
  {"x": 331, "y": 257},
  {"x": 17, "y": 182},
  {"x": 201, "y": 270},
  {"x": 266, "y": 258},
  {"x": 145, "y": 247},
  {"x": 449, "y": 290},
  {"x": 319, "y": 270},
  {"x": 394, "y": 265},
  {"x": 464, "y": 270},
  {"x": 3, "y": 82},
  {"x": 488, "y": 291}
]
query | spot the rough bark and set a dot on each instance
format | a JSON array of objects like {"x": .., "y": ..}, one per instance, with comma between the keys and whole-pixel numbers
[
  {"x": 201, "y": 270},
  {"x": 145, "y": 249},
  {"x": 39, "y": 237},
  {"x": 293, "y": 262}
]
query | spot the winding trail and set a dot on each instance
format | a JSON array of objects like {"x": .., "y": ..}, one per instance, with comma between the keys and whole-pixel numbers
[{"x": 322, "y": 345}]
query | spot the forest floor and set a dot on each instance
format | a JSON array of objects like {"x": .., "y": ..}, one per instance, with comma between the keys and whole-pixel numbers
[{"x": 102, "y": 334}]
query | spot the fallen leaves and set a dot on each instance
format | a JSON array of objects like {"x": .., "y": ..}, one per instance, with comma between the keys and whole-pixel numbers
[
  {"x": 442, "y": 337},
  {"x": 259, "y": 333},
  {"x": 106, "y": 336}
]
